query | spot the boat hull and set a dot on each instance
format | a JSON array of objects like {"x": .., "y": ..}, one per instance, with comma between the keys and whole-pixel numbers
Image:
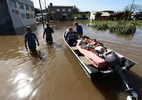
[{"x": 92, "y": 71}]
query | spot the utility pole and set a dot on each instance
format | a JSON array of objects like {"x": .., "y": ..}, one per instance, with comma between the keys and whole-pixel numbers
[
  {"x": 41, "y": 13},
  {"x": 130, "y": 10},
  {"x": 45, "y": 3},
  {"x": 45, "y": 9}
]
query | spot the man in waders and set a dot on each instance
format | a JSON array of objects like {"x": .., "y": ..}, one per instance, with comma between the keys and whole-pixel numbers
[
  {"x": 48, "y": 31},
  {"x": 31, "y": 38}
]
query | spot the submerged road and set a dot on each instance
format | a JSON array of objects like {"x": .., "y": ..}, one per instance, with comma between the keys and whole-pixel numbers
[{"x": 58, "y": 76}]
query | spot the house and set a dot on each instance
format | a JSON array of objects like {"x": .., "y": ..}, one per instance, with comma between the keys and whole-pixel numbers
[
  {"x": 105, "y": 16},
  {"x": 81, "y": 15},
  {"x": 136, "y": 16},
  {"x": 109, "y": 11},
  {"x": 92, "y": 15},
  {"x": 64, "y": 13},
  {"x": 15, "y": 15},
  {"x": 117, "y": 16}
]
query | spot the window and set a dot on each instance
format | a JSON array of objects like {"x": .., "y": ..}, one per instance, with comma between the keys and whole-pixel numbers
[
  {"x": 21, "y": 6},
  {"x": 58, "y": 10},
  {"x": 28, "y": 16},
  {"x": 12, "y": 3},
  {"x": 32, "y": 16},
  {"x": 69, "y": 10},
  {"x": 63, "y": 10},
  {"x": 22, "y": 15},
  {"x": 52, "y": 12},
  {"x": 32, "y": 8},
  {"x": 27, "y": 7}
]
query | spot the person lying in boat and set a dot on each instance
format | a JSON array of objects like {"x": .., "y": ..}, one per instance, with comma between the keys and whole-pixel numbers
[
  {"x": 93, "y": 46},
  {"x": 100, "y": 51},
  {"x": 71, "y": 38}
]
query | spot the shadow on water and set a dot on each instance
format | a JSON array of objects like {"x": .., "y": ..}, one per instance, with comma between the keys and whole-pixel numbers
[
  {"x": 136, "y": 82},
  {"x": 112, "y": 88}
]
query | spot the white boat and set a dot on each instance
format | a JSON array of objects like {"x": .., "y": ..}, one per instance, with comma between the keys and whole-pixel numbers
[{"x": 99, "y": 70}]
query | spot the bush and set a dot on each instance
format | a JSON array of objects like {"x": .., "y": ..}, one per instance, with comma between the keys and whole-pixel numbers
[{"x": 120, "y": 27}]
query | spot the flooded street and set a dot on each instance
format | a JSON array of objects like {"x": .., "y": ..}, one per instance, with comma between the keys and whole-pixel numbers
[{"x": 58, "y": 76}]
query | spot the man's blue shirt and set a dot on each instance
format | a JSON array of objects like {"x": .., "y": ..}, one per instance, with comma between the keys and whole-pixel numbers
[
  {"x": 48, "y": 32},
  {"x": 79, "y": 29},
  {"x": 71, "y": 35},
  {"x": 31, "y": 39}
]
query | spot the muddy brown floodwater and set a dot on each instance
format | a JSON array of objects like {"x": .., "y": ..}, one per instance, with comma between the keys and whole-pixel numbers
[{"x": 58, "y": 76}]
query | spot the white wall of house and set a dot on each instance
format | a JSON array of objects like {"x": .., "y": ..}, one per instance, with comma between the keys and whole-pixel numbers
[
  {"x": 14, "y": 16},
  {"x": 26, "y": 21},
  {"x": 92, "y": 15},
  {"x": 18, "y": 15},
  {"x": 22, "y": 13}
]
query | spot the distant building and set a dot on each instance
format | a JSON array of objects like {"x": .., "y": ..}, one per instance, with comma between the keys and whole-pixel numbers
[
  {"x": 15, "y": 15},
  {"x": 109, "y": 11},
  {"x": 104, "y": 16},
  {"x": 60, "y": 12},
  {"x": 81, "y": 15},
  {"x": 136, "y": 16},
  {"x": 117, "y": 16},
  {"x": 92, "y": 15}
]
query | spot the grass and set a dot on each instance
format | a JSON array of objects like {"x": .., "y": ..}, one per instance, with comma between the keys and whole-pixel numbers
[
  {"x": 138, "y": 22},
  {"x": 98, "y": 22},
  {"x": 118, "y": 27}
]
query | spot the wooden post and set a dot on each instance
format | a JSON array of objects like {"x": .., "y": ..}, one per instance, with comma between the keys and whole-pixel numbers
[{"x": 41, "y": 14}]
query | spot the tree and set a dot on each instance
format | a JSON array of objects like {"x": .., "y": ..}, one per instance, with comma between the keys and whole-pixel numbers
[
  {"x": 140, "y": 14},
  {"x": 37, "y": 10},
  {"x": 133, "y": 8},
  {"x": 98, "y": 15},
  {"x": 126, "y": 14},
  {"x": 75, "y": 9}
]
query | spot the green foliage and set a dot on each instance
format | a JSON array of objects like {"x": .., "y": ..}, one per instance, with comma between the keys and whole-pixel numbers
[
  {"x": 120, "y": 27},
  {"x": 75, "y": 9},
  {"x": 37, "y": 11},
  {"x": 124, "y": 30},
  {"x": 98, "y": 15},
  {"x": 138, "y": 22},
  {"x": 101, "y": 27}
]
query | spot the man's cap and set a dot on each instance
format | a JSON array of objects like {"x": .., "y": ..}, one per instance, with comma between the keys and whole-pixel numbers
[
  {"x": 76, "y": 23},
  {"x": 47, "y": 23},
  {"x": 70, "y": 28},
  {"x": 28, "y": 27}
]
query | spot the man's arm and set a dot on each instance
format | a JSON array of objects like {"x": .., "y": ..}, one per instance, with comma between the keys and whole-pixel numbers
[
  {"x": 43, "y": 33},
  {"x": 26, "y": 44},
  {"x": 52, "y": 31},
  {"x": 37, "y": 40},
  {"x": 66, "y": 36}
]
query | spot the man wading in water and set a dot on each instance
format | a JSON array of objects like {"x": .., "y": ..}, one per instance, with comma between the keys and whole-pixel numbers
[
  {"x": 31, "y": 38},
  {"x": 48, "y": 31}
]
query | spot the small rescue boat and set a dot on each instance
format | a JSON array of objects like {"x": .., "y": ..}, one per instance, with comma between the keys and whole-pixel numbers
[{"x": 98, "y": 67}]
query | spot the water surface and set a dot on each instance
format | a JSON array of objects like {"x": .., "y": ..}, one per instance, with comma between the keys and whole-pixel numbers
[{"x": 58, "y": 76}]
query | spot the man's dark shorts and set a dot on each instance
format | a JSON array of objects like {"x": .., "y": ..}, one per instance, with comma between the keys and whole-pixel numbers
[
  {"x": 49, "y": 40},
  {"x": 32, "y": 49}
]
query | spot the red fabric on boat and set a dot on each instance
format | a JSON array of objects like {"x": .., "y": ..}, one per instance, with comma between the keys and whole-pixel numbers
[{"x": 93, "y": 58}]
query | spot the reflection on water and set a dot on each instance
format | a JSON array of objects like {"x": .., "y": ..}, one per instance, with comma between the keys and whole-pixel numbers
[{"x": 58, "y": 75}]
